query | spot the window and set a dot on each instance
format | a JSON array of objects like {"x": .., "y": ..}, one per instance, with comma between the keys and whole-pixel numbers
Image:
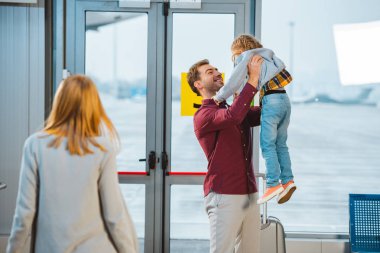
[
  {"x": 112, "y": 40},
  {"x": 331, "y": 49}
]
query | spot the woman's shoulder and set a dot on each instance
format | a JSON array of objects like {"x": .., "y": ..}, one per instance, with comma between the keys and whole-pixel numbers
[
  {"x": 36, "y": 137},
  {"x": 34, "y": 141},
  {"x": 107, "y": 143},
  {"x": 103, "y": 140},
  {"x": 43, "y": 138}
]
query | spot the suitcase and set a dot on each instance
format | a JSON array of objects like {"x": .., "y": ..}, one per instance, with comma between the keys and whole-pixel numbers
[{"x": 272, "y": 231}]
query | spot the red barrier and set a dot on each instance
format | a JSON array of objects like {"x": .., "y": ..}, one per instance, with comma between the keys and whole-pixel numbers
[
  {"x": 187, "y": 173},
  {"x": 140, "y": 173}
]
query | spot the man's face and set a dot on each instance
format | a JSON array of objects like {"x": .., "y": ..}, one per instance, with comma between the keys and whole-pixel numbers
[{"x": 210, "y": 79}]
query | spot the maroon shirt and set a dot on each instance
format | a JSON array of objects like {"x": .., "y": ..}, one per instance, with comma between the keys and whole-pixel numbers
[{"x": 224, "y": 133}]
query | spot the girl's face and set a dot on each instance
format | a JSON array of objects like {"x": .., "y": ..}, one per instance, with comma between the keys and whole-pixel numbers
[{"x": 235, "y": 56}]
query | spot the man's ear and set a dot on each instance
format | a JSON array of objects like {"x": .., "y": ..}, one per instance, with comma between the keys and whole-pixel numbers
[{"x": 198, "y": 84}]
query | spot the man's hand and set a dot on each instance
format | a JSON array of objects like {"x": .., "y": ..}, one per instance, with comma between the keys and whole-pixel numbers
[{"x": 254, "y": 68}]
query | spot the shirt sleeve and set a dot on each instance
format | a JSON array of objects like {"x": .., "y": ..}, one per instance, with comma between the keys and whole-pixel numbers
[
  {"x": 115, "y": 212},
  {"x": 235, "y": 82},
  {"x": 253, "y": 116},
  {"x": 213, "y": 120},
  {"x": 26, "y": 203}
]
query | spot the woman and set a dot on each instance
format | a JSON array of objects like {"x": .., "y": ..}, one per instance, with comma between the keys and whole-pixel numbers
[{"x": 69, "y": 197}]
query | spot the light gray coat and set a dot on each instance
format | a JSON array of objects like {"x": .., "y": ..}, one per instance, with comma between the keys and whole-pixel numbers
[
  {"x": 74, "y": 202},
  {"x": 271, "y": 66}
]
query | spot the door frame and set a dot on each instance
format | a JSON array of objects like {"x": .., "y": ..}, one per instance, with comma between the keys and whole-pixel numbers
[
  {"x": 75, "y": 63},
  {"x": 66, "y": 56},
  {"x": 242, "y": 11}
]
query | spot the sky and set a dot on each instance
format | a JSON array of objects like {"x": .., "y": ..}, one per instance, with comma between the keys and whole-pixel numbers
[
  {"x": 189, "y": 45},
  {"x": 315, "y": 63},
  {"x": 324, "y": 59}
]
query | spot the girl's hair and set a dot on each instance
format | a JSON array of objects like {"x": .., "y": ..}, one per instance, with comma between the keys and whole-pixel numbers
[
  {"x": 245, "y": 42},
  {"x": 78, "y": 115}
]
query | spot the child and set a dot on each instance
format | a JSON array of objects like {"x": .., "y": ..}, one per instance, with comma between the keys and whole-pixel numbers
[{"x": 275, "y": 114}]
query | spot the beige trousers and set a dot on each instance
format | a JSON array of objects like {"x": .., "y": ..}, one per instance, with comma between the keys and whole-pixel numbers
[{"x": 234, "y": 223}]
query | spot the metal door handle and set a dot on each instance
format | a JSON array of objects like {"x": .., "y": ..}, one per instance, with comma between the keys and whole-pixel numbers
[{"x": 151, "y": 160}]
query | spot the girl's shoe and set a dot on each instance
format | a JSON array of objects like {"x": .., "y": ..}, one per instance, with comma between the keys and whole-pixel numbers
[
  {"x": 270, "y": 193},
  {"x": 289, "y": 188}
]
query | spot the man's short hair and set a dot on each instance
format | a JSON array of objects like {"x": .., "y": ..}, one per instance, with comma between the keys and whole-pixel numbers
[{"x": 193, "y": 75}]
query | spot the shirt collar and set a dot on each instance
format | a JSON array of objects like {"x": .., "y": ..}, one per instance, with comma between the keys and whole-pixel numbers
[{"x": 210, "y": 101}]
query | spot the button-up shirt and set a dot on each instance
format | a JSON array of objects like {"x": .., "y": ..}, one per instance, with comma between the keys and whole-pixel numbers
[{"x": 224, "y": 134}]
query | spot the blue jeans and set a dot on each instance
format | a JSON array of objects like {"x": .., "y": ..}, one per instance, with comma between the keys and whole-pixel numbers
[{"x": 275, "y": 117}]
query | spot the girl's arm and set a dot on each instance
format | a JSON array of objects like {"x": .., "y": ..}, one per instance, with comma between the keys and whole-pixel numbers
[{"x": 235, "y": 82}]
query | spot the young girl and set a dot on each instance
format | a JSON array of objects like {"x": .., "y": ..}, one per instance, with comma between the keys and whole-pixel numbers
[
  {"x": 275, "y": 114},
  {"x": 69, "y": 197}
]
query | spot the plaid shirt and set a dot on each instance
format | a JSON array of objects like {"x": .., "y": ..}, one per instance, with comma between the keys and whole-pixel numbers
[{"x": 279, "y": 81}]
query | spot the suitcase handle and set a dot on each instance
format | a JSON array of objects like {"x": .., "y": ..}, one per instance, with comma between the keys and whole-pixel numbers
[
  {"x": 265, "y": 212},
  {"x": 2, "y": 186},
  {"x": 265, "y": 222}
]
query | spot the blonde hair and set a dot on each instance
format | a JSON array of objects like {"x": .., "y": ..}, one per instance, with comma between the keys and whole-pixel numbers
[
  {"x": 245, "y": 42},
  {"x": 78, "y": 115}
]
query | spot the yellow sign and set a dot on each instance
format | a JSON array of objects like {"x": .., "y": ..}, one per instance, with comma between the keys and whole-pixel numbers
[{"x": 190, "y": 101}]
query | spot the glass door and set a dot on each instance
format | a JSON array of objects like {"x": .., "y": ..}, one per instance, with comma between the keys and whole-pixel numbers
[
  {"x": 116, "y": 47},
  {"x": 137, "y": 57},
  {"x": 193, "y": 35}
]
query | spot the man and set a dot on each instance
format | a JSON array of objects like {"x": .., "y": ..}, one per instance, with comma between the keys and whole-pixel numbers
[{"x": 224, "y": 134}]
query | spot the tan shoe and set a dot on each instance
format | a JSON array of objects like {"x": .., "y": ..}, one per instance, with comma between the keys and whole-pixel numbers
[
  {"x": 285, "y": 195},
  {"x": 270, "y": 193}
]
